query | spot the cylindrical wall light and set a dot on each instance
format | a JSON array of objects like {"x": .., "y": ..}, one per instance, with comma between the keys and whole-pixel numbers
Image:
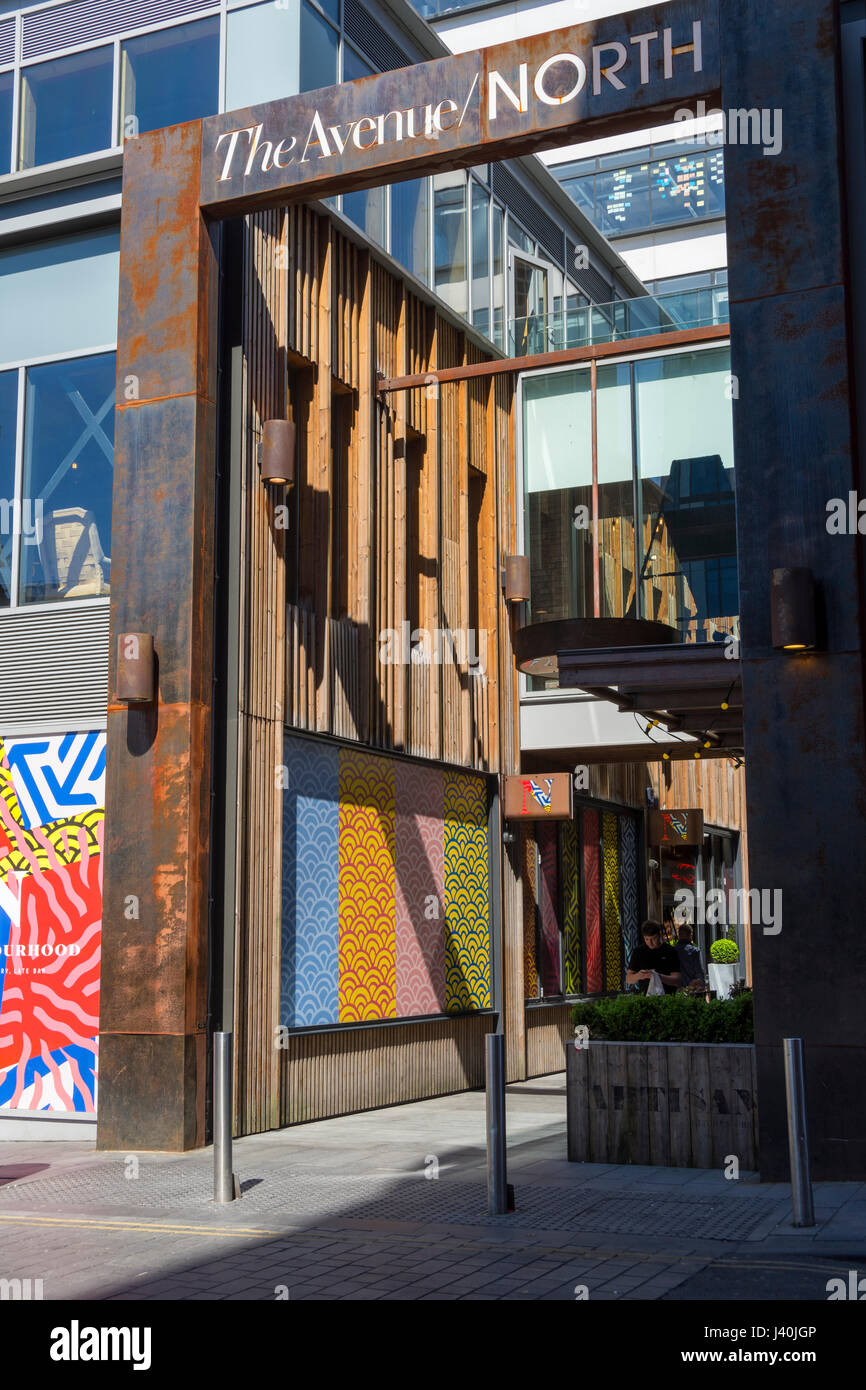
[
  {"x": 792, "y": 609},
  {"x": 136, "y": 668},
  {"x": 277, "y": 459},
  {"x": 516, "y": 578}
]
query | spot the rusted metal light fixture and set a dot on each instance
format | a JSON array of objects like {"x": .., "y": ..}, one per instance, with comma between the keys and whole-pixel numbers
[
  {"x": 515, "y": 578},
  {"x": 792, "y": 609},
  {"x": 136, "y": 668},
  {"x": 277, "y": 455}
]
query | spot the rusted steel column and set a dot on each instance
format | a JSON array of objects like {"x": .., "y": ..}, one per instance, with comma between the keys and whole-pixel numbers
[
  {"x": 155, "y": 930},
  {"x": 804, "y": 716}
]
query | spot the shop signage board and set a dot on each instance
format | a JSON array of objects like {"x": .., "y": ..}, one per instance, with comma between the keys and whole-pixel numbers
[
  {"x": 539, "y": 796},
  {"x": 676, "y": 827},
  {"x": 530, "y": 94}
]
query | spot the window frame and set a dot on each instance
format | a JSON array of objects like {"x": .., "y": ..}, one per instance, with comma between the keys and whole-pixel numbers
[{"x": 21, "y": 368}]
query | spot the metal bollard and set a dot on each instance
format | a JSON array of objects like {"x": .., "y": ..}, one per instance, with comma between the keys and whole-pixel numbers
[
  {"x": 225, "y": 1184},
  {"x": 798, "y": 1139},
  {"x": 497, "y": 1183}
]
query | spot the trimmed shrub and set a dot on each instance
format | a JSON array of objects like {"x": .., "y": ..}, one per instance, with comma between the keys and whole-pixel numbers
[
  {"x": 668, "y": 1018},
  {"x": 724, "y": 952}
]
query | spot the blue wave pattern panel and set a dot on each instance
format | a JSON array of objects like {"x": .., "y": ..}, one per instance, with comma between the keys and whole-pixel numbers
[{"x": 310, "y": 940}]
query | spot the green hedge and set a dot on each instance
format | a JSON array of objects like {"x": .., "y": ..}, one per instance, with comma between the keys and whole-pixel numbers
[{"x": 668, "y": 1018}]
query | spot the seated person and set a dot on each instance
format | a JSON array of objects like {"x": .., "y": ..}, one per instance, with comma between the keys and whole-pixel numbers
[
  {"x": 652, "y": 955},
  {"x": 691, "y": 965}
]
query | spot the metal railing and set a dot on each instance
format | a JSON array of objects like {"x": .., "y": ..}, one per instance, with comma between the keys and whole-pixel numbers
[{"x": 586, "y": 325}]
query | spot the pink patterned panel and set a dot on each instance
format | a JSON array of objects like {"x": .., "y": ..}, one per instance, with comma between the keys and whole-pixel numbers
[{"x": 420, "y": 890}]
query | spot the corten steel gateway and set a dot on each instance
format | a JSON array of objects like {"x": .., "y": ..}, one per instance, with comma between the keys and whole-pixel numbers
[{"x": 794, "y": 450}]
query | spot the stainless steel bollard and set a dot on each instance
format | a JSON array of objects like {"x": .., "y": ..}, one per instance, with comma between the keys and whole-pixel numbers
[
  {"x": 497, "y": 1185},
  {"x": 225, "y": 1187},
  {"x": 798, "y": 1139}
]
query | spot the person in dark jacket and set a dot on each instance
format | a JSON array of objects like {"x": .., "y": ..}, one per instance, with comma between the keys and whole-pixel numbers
[
  {"x": 691, "y": 965},
  {"x": 654, "y": 955}
]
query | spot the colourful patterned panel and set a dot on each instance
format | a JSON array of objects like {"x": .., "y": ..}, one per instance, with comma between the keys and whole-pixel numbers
[
  {"x": 591, "y": 878},
  {"x": 310, "y": 951},
  {"x": 530, "y": 961},
  {"x": 51, "y": 838},
  {"x": 467, "y": 893},
  {"x": 570, "y": 903},
  {"x": 612, "y": 917},
  {"x": 551, "y": 982},
  {"x": 629, "y": 885},
  {"x": 368, "y": 973},
  {"x": 420, "y": 894}
]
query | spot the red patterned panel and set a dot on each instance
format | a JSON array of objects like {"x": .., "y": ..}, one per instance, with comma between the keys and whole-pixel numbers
[
  {"x": 594, "y": 974},
  {"x": 551, "y": 981}
]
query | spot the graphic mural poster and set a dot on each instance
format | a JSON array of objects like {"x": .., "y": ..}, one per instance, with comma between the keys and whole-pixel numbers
[{"x": 52, "y": 797}]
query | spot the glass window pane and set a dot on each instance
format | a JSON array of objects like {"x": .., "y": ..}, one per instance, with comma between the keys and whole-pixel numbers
[
  {"x": 367, "y": 208},
  {"x": 449, "y": 239},
  {"x": 622, "y": 200},
  {"x": 557, "y": 452},
  {"x": 319, "y": 42},
  {"x": 517, "y": 237},
  {"x": 686, "y": 463},
  {"x": 480, "y": 258},
  {"x": 6, "y": 85},
  {"x": 332, "y": 9},
  {"x": 583, "y": 193},
  {"x": 499, "y": 276},
  {"x": 59, "y": 295},
  {"x": 169, "y": 77},
  {"x": 8, "y": 415},
  {"x": 615, "y": 492},
  {"x": 66, "y": 107},
  {"x": 68, "y": 470},
  {"x": 262, "y": 54},
  {"x": 409, "y": 234}
]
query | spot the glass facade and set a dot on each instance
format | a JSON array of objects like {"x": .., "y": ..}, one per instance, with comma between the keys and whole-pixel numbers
[
  {"x": 8, "y": 417},
  {"x": 7, "y": 92},
  {"x": 57, "y": 391},
  {"x": 664, "y": 523},
  {"x": 68, "y": 471},
  {"x": 66, "y": 107},
  {"x": 637, "y": 190},
  {"x": 169, "y": 77}
]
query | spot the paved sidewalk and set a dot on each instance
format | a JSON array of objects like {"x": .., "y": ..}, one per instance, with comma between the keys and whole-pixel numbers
[{"x": 392, "y": 1204}]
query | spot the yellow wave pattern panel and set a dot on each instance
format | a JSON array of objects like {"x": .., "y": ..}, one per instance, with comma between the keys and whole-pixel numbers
[
  {"x": 366, "y": 908},
  {"x": 467, "y": 894}
]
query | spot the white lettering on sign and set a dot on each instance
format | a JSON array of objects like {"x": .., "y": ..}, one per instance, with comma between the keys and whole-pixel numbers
[{"x": 557, "y": 81}]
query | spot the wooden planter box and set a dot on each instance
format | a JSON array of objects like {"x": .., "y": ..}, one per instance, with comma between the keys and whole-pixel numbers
[{"x": 681, "y": 1105}]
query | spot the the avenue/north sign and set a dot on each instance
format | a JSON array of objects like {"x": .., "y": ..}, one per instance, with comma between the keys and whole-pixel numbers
[{"x": 587, "y": 80}]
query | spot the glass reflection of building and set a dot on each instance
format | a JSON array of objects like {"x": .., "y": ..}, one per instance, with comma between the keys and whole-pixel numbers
[{"x": 666, "y": 523}]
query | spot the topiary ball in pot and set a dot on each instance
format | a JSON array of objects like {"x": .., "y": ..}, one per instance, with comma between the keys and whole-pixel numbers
[{"x": 724, "y": 952}]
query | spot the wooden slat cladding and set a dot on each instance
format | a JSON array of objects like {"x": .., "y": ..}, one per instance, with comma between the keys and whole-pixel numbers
[
  {"x": 262, "y": 683},
  {"x": 548, "y": 1031},
  {"x": 400, "y": 512},
  {"x": 346, "y": 308},
  {"x": 336, "y": 1073}
]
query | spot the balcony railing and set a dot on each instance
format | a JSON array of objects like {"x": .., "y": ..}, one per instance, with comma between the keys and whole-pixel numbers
[{"x": 586, "y": 325}]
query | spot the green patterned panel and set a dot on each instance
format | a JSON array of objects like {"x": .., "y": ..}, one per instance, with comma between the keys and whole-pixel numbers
[{"x": 467, "y": 894}]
